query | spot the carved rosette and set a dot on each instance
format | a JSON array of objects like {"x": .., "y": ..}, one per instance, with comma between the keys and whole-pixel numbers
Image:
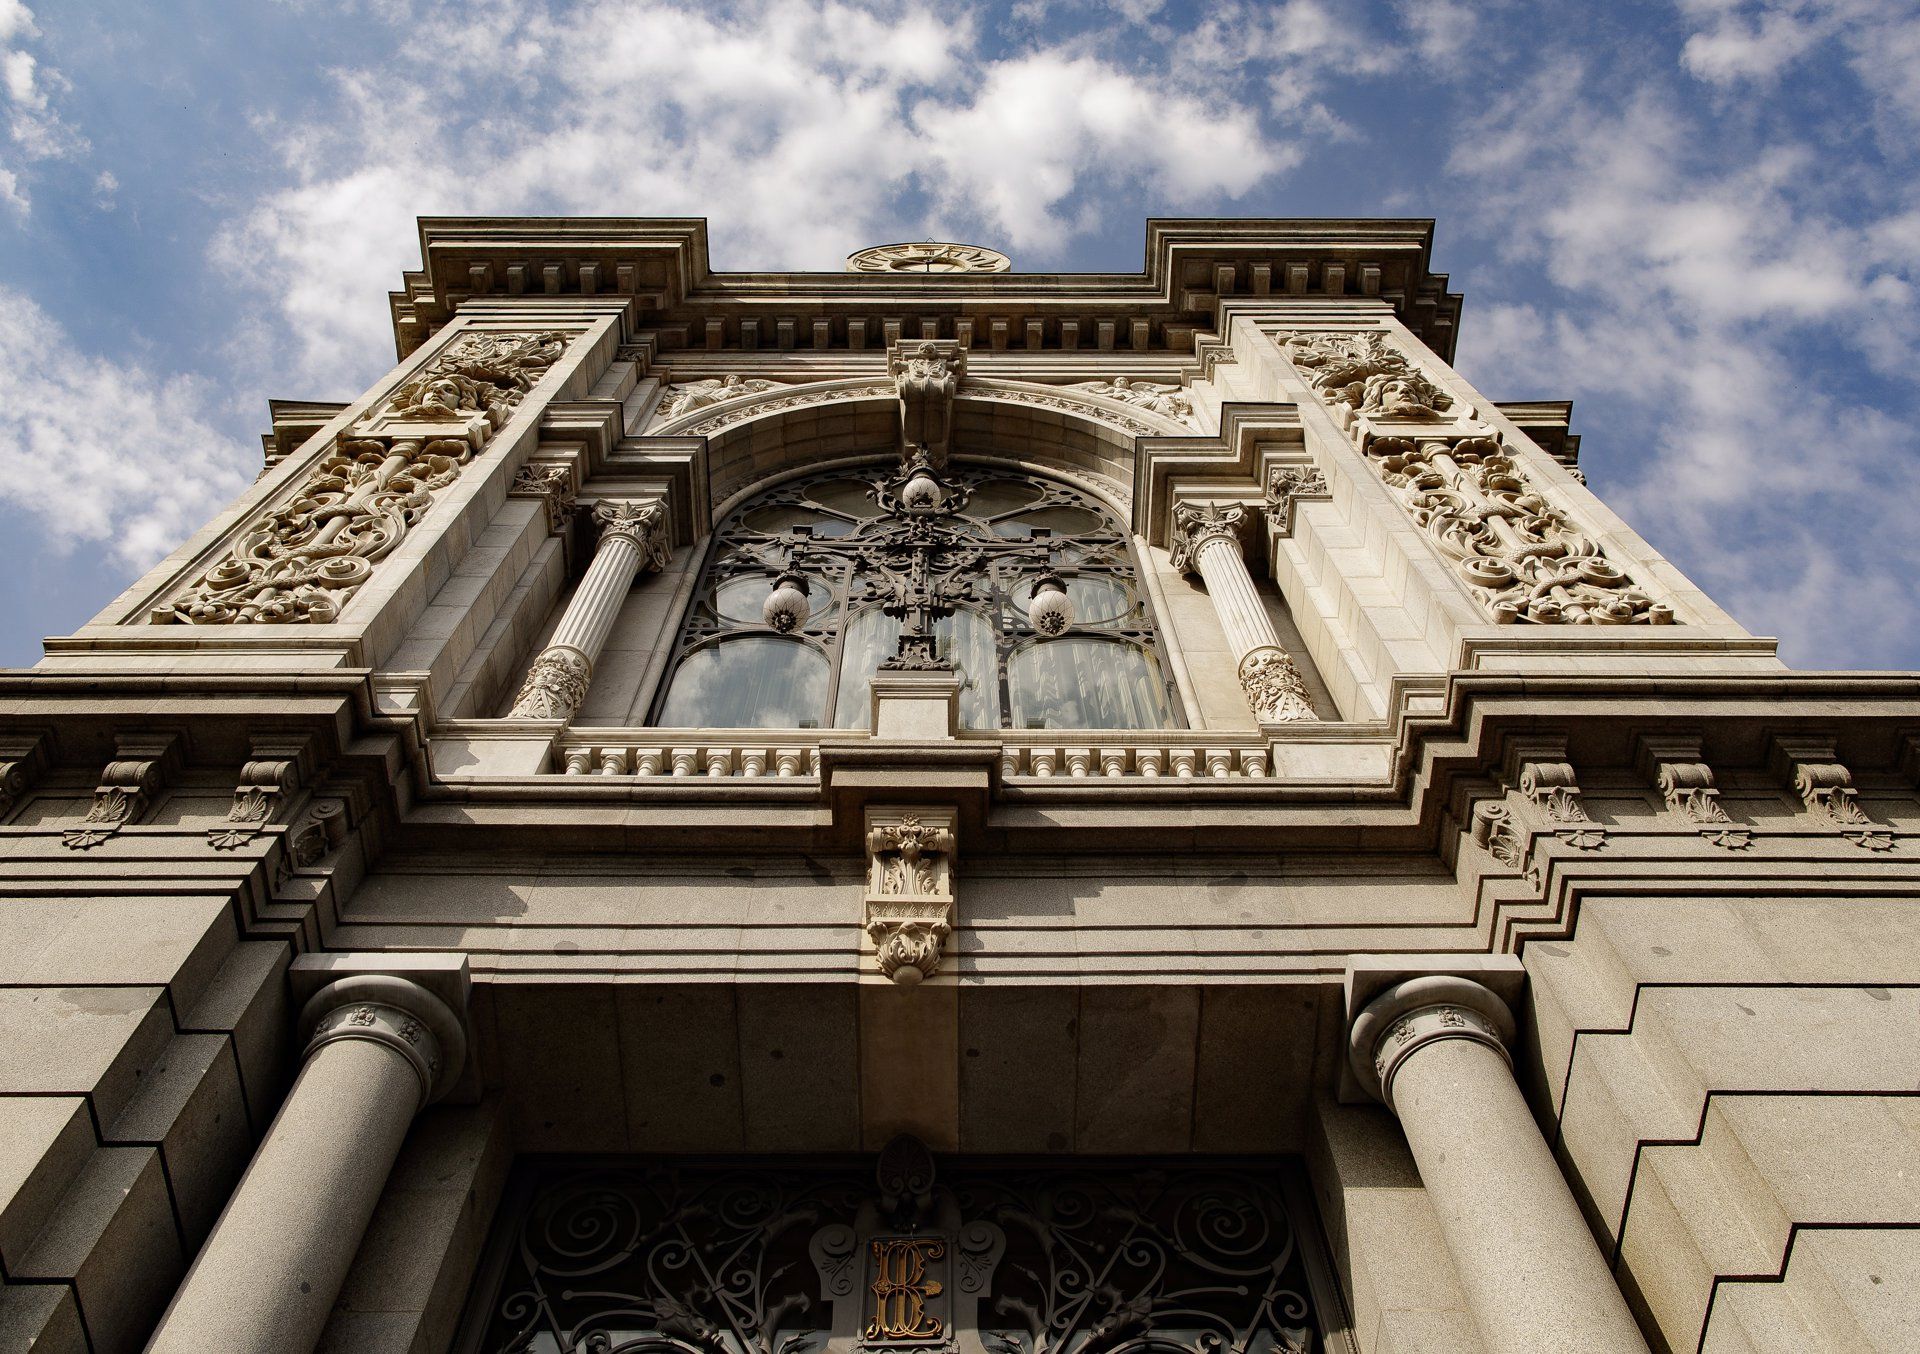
[
  {"x": 909, "y": 897},
  {"x": 1274, "y": 687},
  {"x": 1286, "y": 486},
  {"x": 1516, "y": 551},
  {"x": 556, "y": 684},
  {"x": 303, "y": 561}
]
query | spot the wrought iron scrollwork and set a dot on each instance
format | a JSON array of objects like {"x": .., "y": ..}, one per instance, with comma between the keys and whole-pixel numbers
[{"x": 1042, "y": 1260}]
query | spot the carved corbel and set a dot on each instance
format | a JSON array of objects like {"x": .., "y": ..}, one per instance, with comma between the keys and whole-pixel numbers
[
  {"x": 1288, "y": 485},
  {"x": 1825, "y": 787},
  {"x": 267, "y": 780},
  {"x": 1494, "y": 832},
  {"x": 909, "y": 897},
  {"x": 127, "y": 786},
  {"x": 553, "y": 486},
  {"x": 1672, "y": 763},
  {"x": 1548, "y": 783},
  {"x": 22, "y": 758},
  {"x": 926, "y": 375}
]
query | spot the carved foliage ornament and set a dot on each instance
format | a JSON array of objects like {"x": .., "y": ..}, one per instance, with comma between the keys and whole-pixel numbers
[
  {"x": 1274, "y": 687},
  {"x": 553, "y": 486},
  {"x": 1286, "y": 486},
  {"x": 1198, "y": 525},
  {"x": 1517, "y": 552},
  {"x": 909, "y": 900},
  {"x": 680, "y": 400},
  {"x": 303, "y": 561}
]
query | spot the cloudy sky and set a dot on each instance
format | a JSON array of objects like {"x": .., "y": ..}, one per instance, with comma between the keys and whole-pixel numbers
[{"x": 1698, "y": 220}]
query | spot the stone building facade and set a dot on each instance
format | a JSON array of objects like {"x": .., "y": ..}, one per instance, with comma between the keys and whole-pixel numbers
[{"x": 936, "y": 807}]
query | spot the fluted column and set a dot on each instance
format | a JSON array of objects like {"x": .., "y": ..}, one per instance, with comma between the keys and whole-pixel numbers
[
  {"x": 1434, "y": 1049},
  {"x": 1207, "y": 542},
  {"x": 631, "y": 535},
  {"x": 378, "y": 1049}
]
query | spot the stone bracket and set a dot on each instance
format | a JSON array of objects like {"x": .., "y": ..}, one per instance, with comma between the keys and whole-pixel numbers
[
  {"x": 274, "y": 771},
  {"x": 22, "y": 758},
  {"x": 909, "y": 901},
  {"x": 926, "y": 375},
  {"x": 1825, "y": 787},
  {"x": 1673, "y": 763},
  {"x": 1536, "y": 766},
  {"x": 141, "y": 766}
]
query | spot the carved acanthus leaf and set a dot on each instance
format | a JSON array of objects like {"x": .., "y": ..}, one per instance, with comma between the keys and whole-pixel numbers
[
  {"x": 909, "y": 896},
  {"x": 264, "y": 784},
  {"x": 126, "y": 789},
  {"x": 1196, "y": 525},
  {"x": 1287, "y": 485},
  {"x": 477, "y": 383},
  {"x": 1366, "y": 374},
  {"x": 553, "y": 486},
  {"x": 643, "y": 522},
  {"x": 556, "y": 684},
  {"x": 1274, "y": 687},
  {"x": 303, "y": 561},
  {"x": 1493, "y": 829}
]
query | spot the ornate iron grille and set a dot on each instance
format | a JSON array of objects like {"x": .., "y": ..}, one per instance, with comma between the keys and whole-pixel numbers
[
  {"x": 875, "y": 572},
  {"x": 1035, "y": 1259}
]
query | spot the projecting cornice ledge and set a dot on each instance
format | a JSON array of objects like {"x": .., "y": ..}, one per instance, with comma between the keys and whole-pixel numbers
[{"x": 659, "y": 267}]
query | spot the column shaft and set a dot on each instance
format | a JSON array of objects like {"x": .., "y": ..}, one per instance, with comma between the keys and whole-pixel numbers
[
  {"x": 1533, "y": 1275},
  {"x": 632, "y": 536},
  {"x": 1243, "y": 619},
  {"x": 1208, "y": 542},
  {"x": 267, "y": 1277}
]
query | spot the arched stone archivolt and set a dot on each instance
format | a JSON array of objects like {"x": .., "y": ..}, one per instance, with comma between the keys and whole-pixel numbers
[{"x": 755, "y": 438}]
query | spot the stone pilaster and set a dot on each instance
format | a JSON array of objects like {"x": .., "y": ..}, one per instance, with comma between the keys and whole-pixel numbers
[
  {"x": 378, "y": 1048},
  {"x": 632, "y": 536},
  {"x": 1207, "y": 542},
  {"x": 1434, "y": 1049}
]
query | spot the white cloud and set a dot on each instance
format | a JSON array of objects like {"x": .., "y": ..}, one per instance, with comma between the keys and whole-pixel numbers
[
  {"x": 33, "y": 123},
  {"x": 1698, "y": 276},
  {"x": 103, "y": 453},
  {"x": 797, "y": 126}
]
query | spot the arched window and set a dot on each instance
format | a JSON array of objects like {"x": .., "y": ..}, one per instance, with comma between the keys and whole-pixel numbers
[{"x": 860, "y": 554}]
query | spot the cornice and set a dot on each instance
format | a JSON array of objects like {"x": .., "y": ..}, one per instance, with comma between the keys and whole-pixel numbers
[{"x": 661, "y": 266}]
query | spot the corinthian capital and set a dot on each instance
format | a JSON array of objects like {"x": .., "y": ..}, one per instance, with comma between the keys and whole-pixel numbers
[
  {"x": 1197, "y": 524},
  {"x": 644, "y": 523}
]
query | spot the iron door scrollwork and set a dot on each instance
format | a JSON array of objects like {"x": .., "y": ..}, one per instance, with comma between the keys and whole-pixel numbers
[{"x": 1044, "y": 1259}]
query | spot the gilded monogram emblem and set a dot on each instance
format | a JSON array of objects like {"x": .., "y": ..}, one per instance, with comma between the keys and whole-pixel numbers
[{"x": 902, "y": 1288}]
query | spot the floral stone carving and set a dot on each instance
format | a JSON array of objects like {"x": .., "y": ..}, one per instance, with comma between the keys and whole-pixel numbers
[
  {"x": 556, "y": 684},
  {"x": 304, "y": 561},
  {"x": 1516, "y": 552},
  {"x": 1274, "y": 687},
  {"x": 909, "y": 899},
  {"x": 1286, "y": 486},
  {"x": 1364, "y": 374}
]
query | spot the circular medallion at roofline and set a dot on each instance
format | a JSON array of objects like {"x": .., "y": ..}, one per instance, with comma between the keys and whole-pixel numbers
[{"x": 928, "y": 256}]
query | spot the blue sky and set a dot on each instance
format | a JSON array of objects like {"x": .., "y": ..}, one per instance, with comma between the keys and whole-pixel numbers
[{"x": 1699, "y": 220}]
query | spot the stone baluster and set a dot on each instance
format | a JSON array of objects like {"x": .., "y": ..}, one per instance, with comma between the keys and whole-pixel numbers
[
  {"x": 379, "y": 1048},
  {"x": 1434, "y": 1050},
  {"x": 632, "y": 536},
  {"x": 1207, "y": 542}
]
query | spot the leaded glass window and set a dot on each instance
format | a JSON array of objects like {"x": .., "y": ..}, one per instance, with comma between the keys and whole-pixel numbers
[{"x": 847, "y": 543}]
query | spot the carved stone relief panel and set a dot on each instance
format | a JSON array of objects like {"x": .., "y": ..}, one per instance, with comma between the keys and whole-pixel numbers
[
  {"x": 1517, "y": 551},
  {"x": 304, "y": 560}
]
